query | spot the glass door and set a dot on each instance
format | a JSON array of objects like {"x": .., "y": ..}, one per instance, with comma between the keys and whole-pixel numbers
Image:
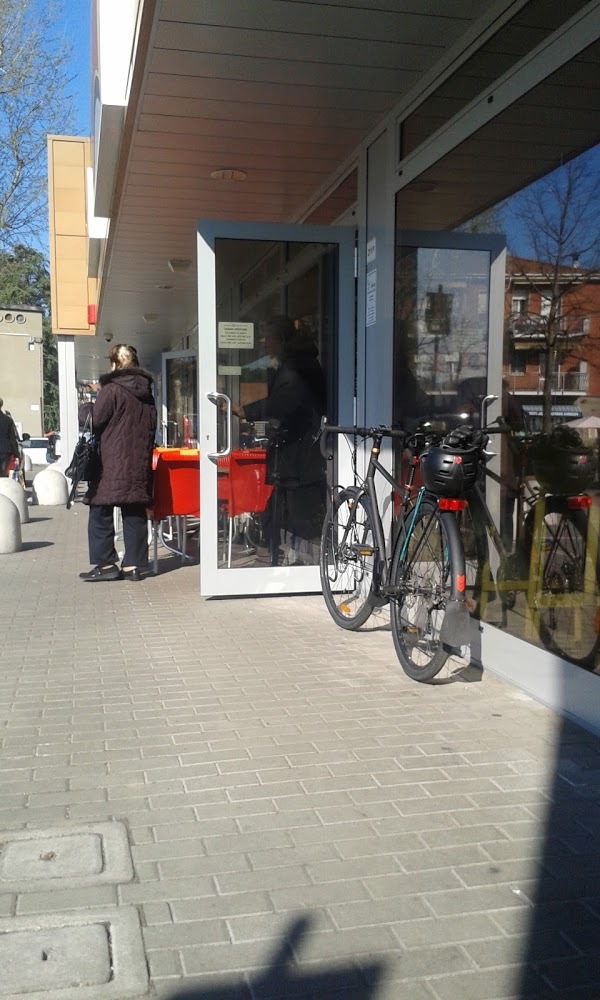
[
  {"x": 276, "y": 352},
  {"x": 179, "y": 410}
]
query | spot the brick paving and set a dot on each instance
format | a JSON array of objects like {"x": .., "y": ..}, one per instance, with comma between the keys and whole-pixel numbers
[{"x": 304, "y": 821}]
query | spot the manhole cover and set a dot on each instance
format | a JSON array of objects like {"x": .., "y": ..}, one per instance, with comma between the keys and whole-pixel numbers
[
  {"x": 54, "y": 959},
  {"x": 74, "y": 855},
  {"x": 69, "y": 856},
  {"x": 73, "y": 955}
]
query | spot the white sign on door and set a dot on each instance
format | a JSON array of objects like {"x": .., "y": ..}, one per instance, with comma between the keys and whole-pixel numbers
[
  {"x": 371, "y": 317},
  {"x": 236, "y": 335}
]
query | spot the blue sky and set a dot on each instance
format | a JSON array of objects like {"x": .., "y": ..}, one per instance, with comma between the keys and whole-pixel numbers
[
  {"x": 516, "y": 234},
  {"x": 76, "y": 24}
]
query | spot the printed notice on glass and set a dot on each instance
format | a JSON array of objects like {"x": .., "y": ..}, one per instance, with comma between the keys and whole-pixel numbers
[
  {"x": 371, "y": 298},
  {"x": 236, "y": 335},
  {"x": 371, "y": 251}
]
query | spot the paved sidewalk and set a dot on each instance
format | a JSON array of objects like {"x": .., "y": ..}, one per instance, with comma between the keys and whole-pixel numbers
[{"x": 441, "y": 841}]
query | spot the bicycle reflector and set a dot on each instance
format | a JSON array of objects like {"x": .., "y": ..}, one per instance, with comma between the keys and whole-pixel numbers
[
  {"x": 579, "y": 503},
  {"x": 450, "y": 503}
]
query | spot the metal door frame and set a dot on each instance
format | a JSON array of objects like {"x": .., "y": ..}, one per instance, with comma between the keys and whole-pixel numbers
[{"x": 216, "y": 580}]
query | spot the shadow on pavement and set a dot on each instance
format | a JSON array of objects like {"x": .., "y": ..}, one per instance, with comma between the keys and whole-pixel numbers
[
  {"x": 562, "y": 922},
  {"x": 170, "y": 564},
  {"x": 280, "y": 982},
  {"x": 35, "y": 545},
  {"x": 470, "y": 673}
]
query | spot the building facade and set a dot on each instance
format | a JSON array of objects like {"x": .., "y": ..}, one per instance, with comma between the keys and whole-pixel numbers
[
  {"x": 320, "y": 161},
  {"x": 21, "y": 368},
  {"x": 575, "y": 366}
]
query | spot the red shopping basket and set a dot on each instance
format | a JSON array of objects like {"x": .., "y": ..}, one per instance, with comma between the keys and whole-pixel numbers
[
  {"x": 176, "y": 483},
  {"x": 242, "y": 486}
]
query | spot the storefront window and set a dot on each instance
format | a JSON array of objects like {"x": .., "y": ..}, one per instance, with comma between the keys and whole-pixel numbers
[
  {"x": 532, "y": 526},
  {"x": 440, "y": 334},
  {"x": 181, "y": 389},
  {"x": 544, "y": 586}
]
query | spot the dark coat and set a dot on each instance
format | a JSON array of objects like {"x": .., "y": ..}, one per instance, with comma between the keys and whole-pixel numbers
[
  {"x": 9, "y": 442},
  {"x": 296, "y": 399},
  {"x": 124, "y": 423}
]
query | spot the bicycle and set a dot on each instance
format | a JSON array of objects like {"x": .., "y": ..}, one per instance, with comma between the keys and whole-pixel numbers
[
  {"x": 554, "y": 562},
  {"x": 424, "y": 579}
]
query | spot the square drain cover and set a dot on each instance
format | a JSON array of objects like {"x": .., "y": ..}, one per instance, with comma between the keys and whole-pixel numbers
[
  {"x": 95, "y": 955},
  {"x": 55, "y": 958},
  {"x": 70, "y": 856}
]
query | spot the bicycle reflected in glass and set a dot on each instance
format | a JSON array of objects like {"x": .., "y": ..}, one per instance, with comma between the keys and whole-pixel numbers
[{"x": 553, "y": 561}]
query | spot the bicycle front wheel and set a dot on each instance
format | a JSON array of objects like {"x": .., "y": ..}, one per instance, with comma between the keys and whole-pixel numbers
[
  {"x": 421, "y": 579},
  {"x": 566, "y": 582},
  {"x": 347, "y": 560}
]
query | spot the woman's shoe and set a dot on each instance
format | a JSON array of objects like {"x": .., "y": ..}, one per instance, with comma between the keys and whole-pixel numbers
[
  {"x": 99, "y": 573},
  {"x": 131, "y": 574}
]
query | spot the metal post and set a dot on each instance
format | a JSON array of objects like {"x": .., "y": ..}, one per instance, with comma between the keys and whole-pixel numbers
[{"x": 67, "y": 394}]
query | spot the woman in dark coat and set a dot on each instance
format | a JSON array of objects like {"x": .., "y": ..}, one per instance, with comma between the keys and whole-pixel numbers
[{"x": 124, "y": 424}]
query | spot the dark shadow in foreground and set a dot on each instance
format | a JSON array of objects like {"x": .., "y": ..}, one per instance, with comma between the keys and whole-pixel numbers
[
  {"x": 562, "y": 923},
  {"x": 35, "y": 545},
  {"x": 280, "y": 982}
]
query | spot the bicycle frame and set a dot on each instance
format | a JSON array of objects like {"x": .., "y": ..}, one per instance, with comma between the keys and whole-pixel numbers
[
  {"x": 367, "y": 489},
  {"x": 371, "y": 492}
]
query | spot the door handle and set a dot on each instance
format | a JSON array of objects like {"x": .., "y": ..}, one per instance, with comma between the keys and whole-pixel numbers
[
  {"x": 486, "y": 402},
  {"x": 215, "y": 397}
]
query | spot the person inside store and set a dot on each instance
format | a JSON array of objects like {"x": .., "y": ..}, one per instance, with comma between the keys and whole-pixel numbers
[
  {"x": 292, "y": 409},
  {"x": 9, "y": 441},
  {"x": 124, "y": 425}
]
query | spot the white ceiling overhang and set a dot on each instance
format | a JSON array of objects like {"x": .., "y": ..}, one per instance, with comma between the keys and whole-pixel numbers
[{"x": 284, "y": 90}]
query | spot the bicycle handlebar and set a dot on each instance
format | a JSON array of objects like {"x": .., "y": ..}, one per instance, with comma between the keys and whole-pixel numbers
[{"x": 364, "y": 432}]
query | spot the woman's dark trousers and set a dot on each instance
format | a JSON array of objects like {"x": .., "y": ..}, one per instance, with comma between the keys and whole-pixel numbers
[{"x": 101, "y": 535}]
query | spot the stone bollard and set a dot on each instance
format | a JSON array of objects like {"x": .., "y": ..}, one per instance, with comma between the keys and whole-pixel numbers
[
  {"x": 50, "y": 488},
  {"x": 10, "y": 526},
  {"x": 14, "y": 491},
  {"x": 27, "y": 466}
]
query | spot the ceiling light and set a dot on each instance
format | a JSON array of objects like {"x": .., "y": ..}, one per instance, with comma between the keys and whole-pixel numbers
[
  {"x": 177, "y": 264},
  {"x": 228, "y": 174},
  {"x": 150, "y": 317},
  {"x": 424, "y": 186}
]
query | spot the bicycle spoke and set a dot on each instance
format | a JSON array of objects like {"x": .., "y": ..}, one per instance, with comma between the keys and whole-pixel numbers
[
  {"x": 347, "y": 562},
  {"x": 422, "y": 579}
]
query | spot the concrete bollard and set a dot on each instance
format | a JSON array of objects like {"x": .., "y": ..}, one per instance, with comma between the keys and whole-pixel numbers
[
  {"x": 50, "y": 488},
  {"x": 14, "y": 491},
  {"x": 27, "y": 466},
  {"x": 10, "y": 526}
]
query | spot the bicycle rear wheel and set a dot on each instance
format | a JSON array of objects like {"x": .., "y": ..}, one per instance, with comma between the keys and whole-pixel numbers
[
  {"x": 347, "y": 560},
  {"x": 422, "y": 578},
  {"x": 567, "y": 583}
]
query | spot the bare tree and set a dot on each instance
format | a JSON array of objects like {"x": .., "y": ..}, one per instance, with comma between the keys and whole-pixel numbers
[
  {"x": 34, "y": 100},
  {"x": 561, "y": 216}
]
